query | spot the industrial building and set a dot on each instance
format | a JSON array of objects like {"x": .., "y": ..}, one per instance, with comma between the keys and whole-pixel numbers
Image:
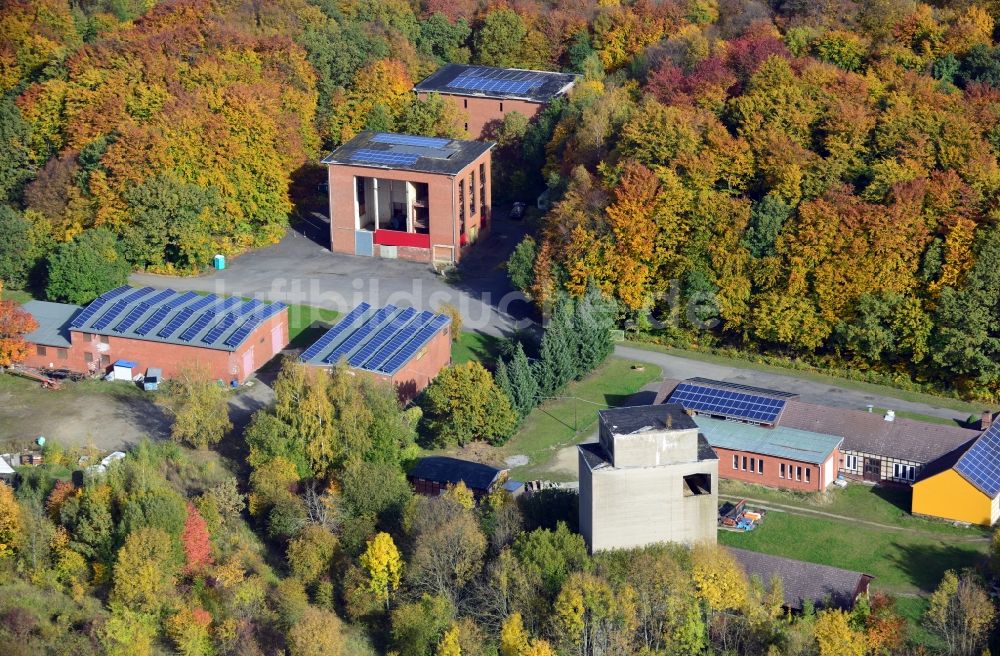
[
  {"x": 416, "y": 198},
  {"x": 401, "y": 346},
  {"x": 964, "y": 486},
  {"x": 163, "y": 329},
  {"x": 486, "y": 94},
  {"x": 802, "y": 583},
  {"x": 650, "y": 478},
  {"x": 875, "y": 447}
]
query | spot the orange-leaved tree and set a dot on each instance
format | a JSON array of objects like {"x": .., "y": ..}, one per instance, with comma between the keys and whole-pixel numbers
[{"x": 15, "y": 323}]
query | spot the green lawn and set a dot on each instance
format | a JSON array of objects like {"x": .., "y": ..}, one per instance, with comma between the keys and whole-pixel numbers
[
  {"x": 865, "y": 502},
  {"x": 973, "y": 409},
  {"x": 559, "y": 423},
  {"x": 306, "y": 323},
  {"x": 17, "y": 296},
  {"x": 477, "y": 346},
  {"x": 901, "y": 562}
]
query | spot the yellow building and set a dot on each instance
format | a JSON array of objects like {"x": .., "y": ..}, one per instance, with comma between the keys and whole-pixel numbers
[{"x": 963, "y": 486}]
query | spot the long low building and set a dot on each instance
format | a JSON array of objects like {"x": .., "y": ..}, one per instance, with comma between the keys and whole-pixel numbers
[
  {"x": 401, "y": 346},
  {"x": 158, "y": 328}
]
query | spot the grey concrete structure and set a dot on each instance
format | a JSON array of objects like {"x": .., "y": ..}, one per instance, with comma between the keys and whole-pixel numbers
[{"x": 651, "y": 478}]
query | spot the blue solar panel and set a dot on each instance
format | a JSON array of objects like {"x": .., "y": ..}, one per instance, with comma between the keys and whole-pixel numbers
[
  {"x": 360, "y": 335},
  {"x": 378, "y": 341},
  {"x": 154, "y": 320},
  {"x": 199, "y": 324},
  {"x": 369, "y": 156},
  {"x": 413, "y": 346},
  {"x": 410, "y": 140},
  {"x": 186, "y": 314},
  {"x": 981, "y": 463},
  {"x": 215, "y": 333},
  {"x": 137, "y": 294},
  {"x": 728, "y": 403},
  {"x": 89, "y": 311},
  {"x": 132, "y": 316},
  {"x": 109, "y": 316},
  {"x": 398, "y": 340},
  {"x": 159, "y": 296},
  {"x": 272, "y": 309},
  {"x": 241, "y": 333},
  {"x": 248, "y": 307},
  {"x": 497, "y": 80},
  {"x": 334, "y": 332}
]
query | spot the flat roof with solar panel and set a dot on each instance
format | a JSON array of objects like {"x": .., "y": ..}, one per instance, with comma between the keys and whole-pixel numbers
[
  {"x": 381, "y": 340},
  {"x": 409, "y": 152},
  {"x": 731, "y": 400},
  {"x": 167, "y": 316},
  {"x": 490, "y": 82}
]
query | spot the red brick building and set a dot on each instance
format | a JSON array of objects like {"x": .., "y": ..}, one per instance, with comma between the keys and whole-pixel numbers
[
  {"x": 401, "y": 346},
  {"x": 416, "y": 198},
  {"x": 486, "y": 95},
  {"x": 161, "y": 329}
]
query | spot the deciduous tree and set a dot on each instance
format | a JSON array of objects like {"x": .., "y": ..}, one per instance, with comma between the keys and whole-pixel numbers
[
  {"x": 199, "y": 406},
  {"x": 384, "y": 565},
  {"x": 144, "y": 571},
  {"x": 317, "y": 633},
  {"x": 86, "y": 267},
  {"x": 196, "y": 542},
  {"x": 10, "y": 521},
  {"x": 463, "y": 404},
  {"x": 961, "y": 613},
  {"x": 15, "y": 323}
]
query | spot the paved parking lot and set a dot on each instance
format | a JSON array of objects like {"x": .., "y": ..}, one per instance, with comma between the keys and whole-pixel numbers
[{"x": 299, "y": 270}]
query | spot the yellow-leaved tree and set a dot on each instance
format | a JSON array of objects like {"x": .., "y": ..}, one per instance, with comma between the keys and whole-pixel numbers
[
  {"x": 384, "y": 565},
  {"x": 835, "y": 636},
  {"x": 449, "y": 645},
  {"x": 718, "y": 578},
  {"x": 10, "y": 521}
]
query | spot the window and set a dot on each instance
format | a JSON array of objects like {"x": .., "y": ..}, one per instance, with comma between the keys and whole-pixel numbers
[
  {"x": 744, "y": 463},
  {"x": 104, "y": 339},
  {"x": 781, "y": 470},
  {"x": 482, "y": 187},
  {"x": 695, "y": 485},
  {"x": 851, "y": 462},
  {"x": 472, "y": 193},
  {"x": 466, "y": 127},
  {"x": 905, "y": 472},
  {"x": 461, "y": 205},
  {"x": 753, "y": 465},
  {"x": 798, "y": 473},
  {"x": 808, "y": 469},
  {"x": 41, "y": 350},
  {"x": 87, "y": 337},
  {"x": 105, "y": 360},
  {"x": 736, "y": 462},
  {"x": 62, "y": 354},
  {"x": 501, "y": 107},
  {"x": 88, "y": 357},
  {"x": 465, "y": 102},
  {"x": 760, "y": 466}
]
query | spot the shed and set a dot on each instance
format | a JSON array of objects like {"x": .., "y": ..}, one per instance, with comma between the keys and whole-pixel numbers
[
  {"x": 7, "y": 472},
  {"x": 152, "y": 380},
  {"x": 123, "y": 370},
  {"x": 435, "y": 474}
]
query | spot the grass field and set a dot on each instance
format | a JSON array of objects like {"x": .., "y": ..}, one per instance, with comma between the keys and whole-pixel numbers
[
  {"x": 475, "y": 346},
  {"x": 562, "y": 422},
  {"x": 307, "y": 323},
  {"x": 15, "y": 295},
  {"x": 864, "y": 502},
  {"x": 901, "y": 562},
  {"x": 805, "y": 374}
]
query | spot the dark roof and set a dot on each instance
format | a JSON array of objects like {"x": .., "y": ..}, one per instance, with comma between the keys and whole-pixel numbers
[
  {"x": 422, "y": 154},
  {"x": 595, "y": 457},
  {"x": 869, "y": 432},
  {"x": 490, "y": 82},
  {"x": 442, "y": 469},
  {"x": 641, "y": 418},
  {"x": 382, "y": 339},
  {"x": 825, "y": 586},
  {"x": 163, "y": 315},
  {"x": 740, "y": 387},
  {"x": 53, "y": 322}
]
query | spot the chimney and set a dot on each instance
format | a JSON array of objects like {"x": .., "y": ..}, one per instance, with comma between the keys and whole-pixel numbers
[
  {"x": 986, "y": 421},
  {"x": 890, "y": 415}
]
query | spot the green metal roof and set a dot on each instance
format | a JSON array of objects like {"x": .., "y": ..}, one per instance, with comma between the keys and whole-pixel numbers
[
  {"x": 53, "y": 322},
  {"x": 779, "y": 442}
]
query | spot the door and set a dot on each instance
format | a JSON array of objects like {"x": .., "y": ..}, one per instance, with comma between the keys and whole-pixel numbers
[
  {"x": 873, "y": 469},
  {"x": 248, "y": 363},
  {"x": 363, "y": 242},
  {"x": 277, "y": 343}
]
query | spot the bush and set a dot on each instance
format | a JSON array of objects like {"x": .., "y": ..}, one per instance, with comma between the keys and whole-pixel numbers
[{"x": 83, "y": 269}]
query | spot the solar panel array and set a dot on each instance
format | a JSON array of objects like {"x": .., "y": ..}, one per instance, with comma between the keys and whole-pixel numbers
[
  {"x": 728, "y": 403},
  {"x": 410, "y": 140},
  {"x": 334, "y": 332},
  {"x": 381, "y": 340},
  {"x": 497, "y": 80},
  {"x": 981, "y": 463},
  {"x": 148, "y": 313},
  {"x": 369, "y": 156}
]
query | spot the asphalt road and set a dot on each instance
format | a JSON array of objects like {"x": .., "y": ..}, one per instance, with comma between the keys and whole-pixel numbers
[
  {"x": 809, "y": 391},
  {"x": 299, "y": 270}
]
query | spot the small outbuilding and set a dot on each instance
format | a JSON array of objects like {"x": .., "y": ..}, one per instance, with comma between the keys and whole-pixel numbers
[
  {"x": 433, "y": 475},
  {"x": 965, "y": 485},
  {"x": 806, "y": 583}
]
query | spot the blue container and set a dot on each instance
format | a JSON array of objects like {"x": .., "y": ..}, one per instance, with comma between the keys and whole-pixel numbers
[{"x": 220, "y": 262}]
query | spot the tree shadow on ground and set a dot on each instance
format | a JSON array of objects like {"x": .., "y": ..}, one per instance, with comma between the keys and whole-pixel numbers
[
  {"x": 142, "y": 411},
  {"x": 925, "y": 564}
]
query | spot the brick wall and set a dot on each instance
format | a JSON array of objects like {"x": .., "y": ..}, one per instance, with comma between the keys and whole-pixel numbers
[
  {"x": 421, "y": 370},
  {"x": 771, "y": 475},
  {"x": 483, "y": 115},
  {"x": 223, "y": 365},
  {"x": 442, "y": 199}
]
